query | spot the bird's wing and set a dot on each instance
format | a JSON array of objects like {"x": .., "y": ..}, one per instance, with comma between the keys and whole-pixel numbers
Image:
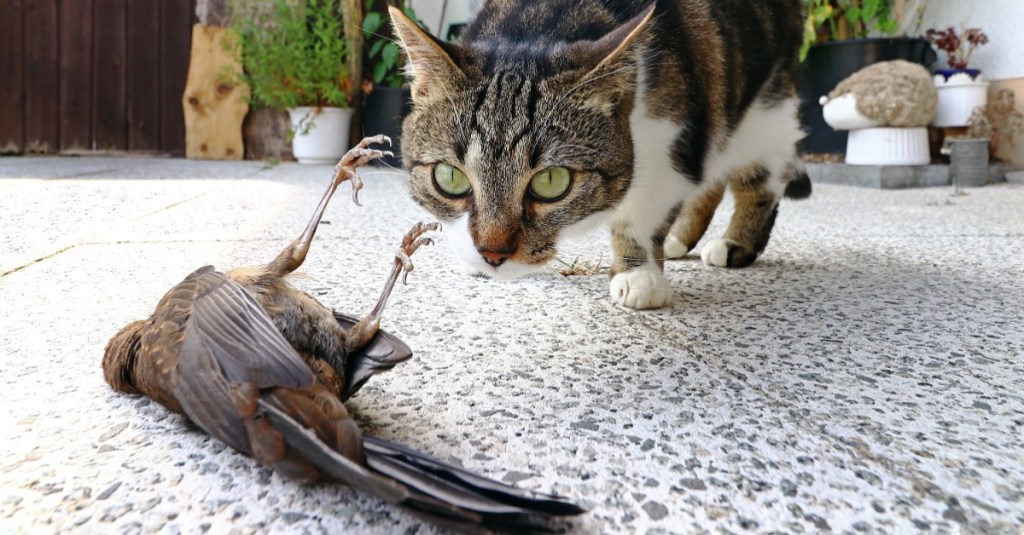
[
  {"x": 383, "y": 352},
  {"x": 229, "y": 341},
  {"x": 229, "y": 327}
]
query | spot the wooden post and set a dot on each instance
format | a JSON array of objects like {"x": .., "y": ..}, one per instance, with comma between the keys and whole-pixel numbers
[
  {"x": 352, "y": 11},
  {"x": 214, "y": 104},
  {"x": 899, "y": 11}
]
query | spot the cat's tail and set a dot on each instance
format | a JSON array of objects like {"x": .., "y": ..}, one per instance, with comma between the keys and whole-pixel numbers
[{"x": 799, "y": 185}]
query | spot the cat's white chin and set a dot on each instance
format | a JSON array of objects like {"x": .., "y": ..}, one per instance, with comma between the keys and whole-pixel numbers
[
  {"x": 462, "y": 244},
  {"x": 507, "y": 271}
]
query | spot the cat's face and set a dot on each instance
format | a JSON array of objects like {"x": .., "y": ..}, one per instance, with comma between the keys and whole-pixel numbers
[{"x": 517, "y": 153}]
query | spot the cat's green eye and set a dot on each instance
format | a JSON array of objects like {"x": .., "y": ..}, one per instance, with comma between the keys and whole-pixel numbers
[
  {"x": 551, "y": 184},
  {"x": 450, "y": 180}
]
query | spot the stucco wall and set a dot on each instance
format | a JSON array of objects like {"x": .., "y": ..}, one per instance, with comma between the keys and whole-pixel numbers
[
  {"x": 1002, "y": 20},
  {"x": 430, "y": 12}
]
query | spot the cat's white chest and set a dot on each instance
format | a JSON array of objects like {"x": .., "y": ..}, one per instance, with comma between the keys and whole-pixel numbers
[{"x": 657, "y": 186}]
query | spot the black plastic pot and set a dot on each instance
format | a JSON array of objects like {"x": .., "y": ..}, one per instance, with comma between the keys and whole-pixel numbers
[
  {"x": 383, "y": 112},
  {"x": 827, "y": 64}
]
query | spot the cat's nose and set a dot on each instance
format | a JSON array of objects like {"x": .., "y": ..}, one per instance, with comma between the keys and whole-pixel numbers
[{"x": 496, "y": 257}]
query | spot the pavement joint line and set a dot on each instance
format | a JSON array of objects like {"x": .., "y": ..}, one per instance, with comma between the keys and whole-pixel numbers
[
  {"x": 38, "y": 260},
  {"x": 83, "y": 238}
]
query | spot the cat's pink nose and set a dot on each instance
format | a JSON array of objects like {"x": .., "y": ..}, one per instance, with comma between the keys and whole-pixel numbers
[{"x": 496, "y": 258}]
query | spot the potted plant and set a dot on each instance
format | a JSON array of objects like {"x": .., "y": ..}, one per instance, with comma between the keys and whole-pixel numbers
[
  {"x": 961, "y": 90},
  {"x": 387, "y": 99},
  {"x": 294, "y": 55},
  {"x": 840, "y": 38}
]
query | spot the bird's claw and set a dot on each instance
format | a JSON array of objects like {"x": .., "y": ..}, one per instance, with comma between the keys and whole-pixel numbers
[
  {"x": 359, "y": 156},
  {"x": 412, "y": 241}
]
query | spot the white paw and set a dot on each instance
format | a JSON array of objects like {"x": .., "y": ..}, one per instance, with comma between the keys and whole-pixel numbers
[
  {"x": 641, "y": 288},
  {"x": 675, "y": 248},
  {"x": 716, "y": 253}
]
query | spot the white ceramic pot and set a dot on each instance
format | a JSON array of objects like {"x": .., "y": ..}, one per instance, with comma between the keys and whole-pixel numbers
[
  {"x": 959, "y": 95},
  {"x": 321, "y": 134},
  {"x": 888, "y": 146}
]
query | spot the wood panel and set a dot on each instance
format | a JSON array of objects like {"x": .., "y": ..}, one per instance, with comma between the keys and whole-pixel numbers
[
  {"x": 75, "y": 91},
  {"x": 42, "y": 99},
  {"x": 12, "y": 54},
  {"x": 109, "y": 48},
  {"x": 143, "y": 76},
  {"x": 93, "y": 74},
  {"x": 175, "y": 46}
]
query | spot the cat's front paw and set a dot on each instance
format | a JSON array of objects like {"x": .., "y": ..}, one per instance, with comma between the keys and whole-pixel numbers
[
  {"x": 641, "y": 289},
  {"x": 674, "y": 248}
]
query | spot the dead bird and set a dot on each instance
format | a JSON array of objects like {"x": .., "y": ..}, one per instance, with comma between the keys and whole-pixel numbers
[{"x": 264, "y": 367}]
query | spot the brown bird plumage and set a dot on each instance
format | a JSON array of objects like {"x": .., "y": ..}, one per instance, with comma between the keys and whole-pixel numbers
[{"x": 265, "y": 367}]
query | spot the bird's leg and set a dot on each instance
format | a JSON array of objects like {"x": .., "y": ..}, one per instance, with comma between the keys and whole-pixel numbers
[
  {"x": 292, "y": 256},
  {"x": 361, "y": 333}
]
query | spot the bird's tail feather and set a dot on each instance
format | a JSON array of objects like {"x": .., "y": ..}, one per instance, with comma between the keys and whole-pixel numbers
[
  {"x": 425, "y": 486},
  {"x": 498, "y": 504}
]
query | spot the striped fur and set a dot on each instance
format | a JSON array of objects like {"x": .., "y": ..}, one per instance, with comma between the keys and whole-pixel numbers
[{"x": 655, "y": 107}]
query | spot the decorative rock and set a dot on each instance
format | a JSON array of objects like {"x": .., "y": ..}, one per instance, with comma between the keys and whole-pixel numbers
[{"x": 891, "y": 93}]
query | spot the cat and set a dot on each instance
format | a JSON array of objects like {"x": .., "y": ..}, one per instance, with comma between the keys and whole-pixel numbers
[{"x": 552, "y": 116}]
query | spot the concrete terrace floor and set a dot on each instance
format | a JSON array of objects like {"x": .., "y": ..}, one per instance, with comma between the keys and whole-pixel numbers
[{"x": 863, "y": 376}]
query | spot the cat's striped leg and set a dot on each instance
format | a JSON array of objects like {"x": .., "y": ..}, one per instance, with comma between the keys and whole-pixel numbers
[
  {"x": 756, "y": 192},
  {"x": 693, "y": 221},
  {"x": 638, "y": 278}
]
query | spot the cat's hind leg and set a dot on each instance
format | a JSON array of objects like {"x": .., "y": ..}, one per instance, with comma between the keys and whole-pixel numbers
[
  {"x": 693, "y": 221},
  {"x": 756, "y": 193}
]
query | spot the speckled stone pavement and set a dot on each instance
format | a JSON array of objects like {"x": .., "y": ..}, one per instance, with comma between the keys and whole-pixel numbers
[{"x": 865, "y": 375}]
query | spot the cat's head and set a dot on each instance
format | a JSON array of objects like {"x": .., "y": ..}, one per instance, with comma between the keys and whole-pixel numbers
[{"x": 519, "y": 144}]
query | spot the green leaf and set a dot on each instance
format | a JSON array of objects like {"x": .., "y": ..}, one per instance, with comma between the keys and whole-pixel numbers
[
  {"x": 375, "y": 47},
  {"x": 372, "y": 23},
  {"x": 379, "y": 70},
  {"x": 870, "y": 9},
  {"x": 822, "y": 13}
]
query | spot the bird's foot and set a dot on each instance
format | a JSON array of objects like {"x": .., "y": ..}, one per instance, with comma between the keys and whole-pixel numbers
[
  {"x": 412, "y": 241},
  {"x": 362, "y": 332},
  {"x": 359, "y": 156}
]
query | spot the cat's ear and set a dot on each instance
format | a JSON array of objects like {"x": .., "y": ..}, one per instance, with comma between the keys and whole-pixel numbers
[
  {"x": 610, "y": 63},
  {"x": 614, "y": 48},
  {"x": 430, "y": 64}
]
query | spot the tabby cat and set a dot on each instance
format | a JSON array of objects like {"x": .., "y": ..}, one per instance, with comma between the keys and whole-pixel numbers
[{"x": 551, "y": 116}]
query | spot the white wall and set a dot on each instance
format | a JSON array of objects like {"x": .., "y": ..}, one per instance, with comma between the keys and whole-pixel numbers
[
  {"x": 429, "y": 11},
  {"x": 1002, "y": 20}
]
